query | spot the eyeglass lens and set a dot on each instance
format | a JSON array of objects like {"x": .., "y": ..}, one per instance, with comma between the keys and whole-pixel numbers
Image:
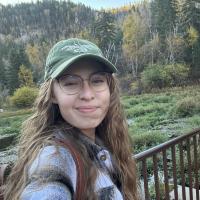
[{"x": 72, "y": 84}]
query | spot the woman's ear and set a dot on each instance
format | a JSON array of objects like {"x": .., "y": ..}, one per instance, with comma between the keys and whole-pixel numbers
[
  {"x": 54, "y": 100},
  {"x": 53, "y": 96}
]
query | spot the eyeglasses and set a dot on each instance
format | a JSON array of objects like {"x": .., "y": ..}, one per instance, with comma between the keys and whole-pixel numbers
[{"x": 73, "y": 84}]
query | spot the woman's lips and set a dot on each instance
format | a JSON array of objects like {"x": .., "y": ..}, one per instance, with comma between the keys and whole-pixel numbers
[{"x": 87, "y": 109}]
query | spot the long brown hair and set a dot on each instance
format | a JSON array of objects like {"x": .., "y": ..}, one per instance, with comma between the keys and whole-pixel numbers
[{"x": 37, "y": 132}]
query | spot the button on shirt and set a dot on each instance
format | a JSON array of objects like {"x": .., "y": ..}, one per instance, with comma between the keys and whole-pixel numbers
[{"x": 54, "y": 164}]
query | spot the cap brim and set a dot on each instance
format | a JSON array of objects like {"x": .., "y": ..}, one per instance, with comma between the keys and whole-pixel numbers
[{"x": 62, "y": 67}]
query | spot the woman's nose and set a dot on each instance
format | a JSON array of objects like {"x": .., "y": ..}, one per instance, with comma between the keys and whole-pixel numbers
[{"x": 87, "y": 92}]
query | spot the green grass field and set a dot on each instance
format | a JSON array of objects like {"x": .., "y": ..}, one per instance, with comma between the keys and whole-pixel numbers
[
  {"x": 156, "y": 117},
  {"x": 10, "y": 121},
  {"x": 153, "y": 118}
]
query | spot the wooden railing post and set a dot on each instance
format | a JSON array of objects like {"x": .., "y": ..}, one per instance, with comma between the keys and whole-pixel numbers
[{"x": 185, "y": 167}]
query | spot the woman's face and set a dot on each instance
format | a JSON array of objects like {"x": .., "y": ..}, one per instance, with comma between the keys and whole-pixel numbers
[{"x": 86, "y": 108}]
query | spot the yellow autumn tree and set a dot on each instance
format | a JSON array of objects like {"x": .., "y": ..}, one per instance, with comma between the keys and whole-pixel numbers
[
  {"x": 33, "y": 54},
  {"x": 134, "y": 33},
  {"x": 193, "y": 35},
  {"x": 37, "y": 54},
  {"x": 25, "y": 76}
]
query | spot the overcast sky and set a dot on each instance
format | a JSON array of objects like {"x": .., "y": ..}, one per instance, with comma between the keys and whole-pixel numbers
[{"x": 97, "y": 4}]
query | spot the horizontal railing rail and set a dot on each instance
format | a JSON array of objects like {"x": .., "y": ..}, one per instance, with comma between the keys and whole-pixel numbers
[{"x": 171, "y": 170}]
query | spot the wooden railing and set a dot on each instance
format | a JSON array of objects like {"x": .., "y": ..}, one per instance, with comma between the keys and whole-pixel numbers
[{"x": 178, "y": 162}]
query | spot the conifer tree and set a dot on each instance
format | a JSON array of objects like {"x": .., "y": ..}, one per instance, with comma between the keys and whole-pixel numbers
[
  {"x": 104, "y": 30},
  {"x": 163, "y": 17},
  {"x": 2, "y": 73},
  {"x": 190, "y": 14},
  {"x": 17, "y": 57},
  {"x": 189, "y": 17}
]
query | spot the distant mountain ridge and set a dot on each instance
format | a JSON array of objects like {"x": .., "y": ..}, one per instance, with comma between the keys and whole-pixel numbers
[
  {"x": 50, "y": 19},
  {"x": 47, "y": 19}
]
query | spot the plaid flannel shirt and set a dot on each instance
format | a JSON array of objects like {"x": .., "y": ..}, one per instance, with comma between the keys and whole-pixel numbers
[{"x": 53, "y": 175}]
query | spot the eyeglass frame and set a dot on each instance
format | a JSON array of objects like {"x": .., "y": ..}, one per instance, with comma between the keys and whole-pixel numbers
[{"x": 108, "y": 78}]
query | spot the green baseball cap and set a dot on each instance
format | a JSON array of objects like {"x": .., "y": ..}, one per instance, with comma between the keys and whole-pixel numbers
[{"x": 66, "y": 52}]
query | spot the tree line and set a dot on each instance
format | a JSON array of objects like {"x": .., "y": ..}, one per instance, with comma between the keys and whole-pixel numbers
[{"x": 153, "y": 43}]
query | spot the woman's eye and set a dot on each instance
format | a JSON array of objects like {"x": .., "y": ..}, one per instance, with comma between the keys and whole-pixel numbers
[
  {"x": 98, "y": 81},
  {"x": 70, "y": 83}
]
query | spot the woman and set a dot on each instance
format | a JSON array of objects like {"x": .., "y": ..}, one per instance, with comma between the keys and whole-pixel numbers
[{"x": 78, "y": 102}]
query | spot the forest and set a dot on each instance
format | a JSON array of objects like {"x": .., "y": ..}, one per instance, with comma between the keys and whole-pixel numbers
[{"x": 155, "y": 44}]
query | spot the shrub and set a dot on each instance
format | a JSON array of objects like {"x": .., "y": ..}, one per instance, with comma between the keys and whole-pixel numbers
[
  {"x": 144, "y": 109},
  {"x": 157, "y": 76},
  {"x": 136, "y": 87},
  {"x": 128, "y": 103},
  {"x": 3, "y": 95},
  {"x": 9, "y": 130},
  {"x": 125, "y": 82},
  {"x": 147, "y": 140},
  {"x": 162, "y": 99},
  {"x": 154, "y": 77},
  {"x": 187, "y": 107},
  {"x": 178, "y": 73},
  {"x": 24, "y": 97},
  {"x": 10, "y": 122},
  {"x": 152, "y": 190}
]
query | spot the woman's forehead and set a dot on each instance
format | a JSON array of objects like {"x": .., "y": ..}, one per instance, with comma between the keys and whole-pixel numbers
[{"x": 84, "y": 66}]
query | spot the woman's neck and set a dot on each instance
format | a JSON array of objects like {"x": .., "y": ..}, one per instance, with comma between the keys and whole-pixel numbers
[{"x": 89, "y": 133}]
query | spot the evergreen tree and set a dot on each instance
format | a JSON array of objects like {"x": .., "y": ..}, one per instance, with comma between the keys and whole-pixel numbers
[
  {"x": 2, "y": 73},
  {"x": 104, "y": 30},
  {"x": 190, "y": 14},
  {"x": 189, "y": 17},
  {"x": 163, "y": 17},
  {"x": 17, "y": 57},
  {"x": 48, "y": 19}
]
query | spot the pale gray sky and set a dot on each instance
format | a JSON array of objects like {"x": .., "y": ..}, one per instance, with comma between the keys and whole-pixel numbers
[{"x": 97, "y": 4}]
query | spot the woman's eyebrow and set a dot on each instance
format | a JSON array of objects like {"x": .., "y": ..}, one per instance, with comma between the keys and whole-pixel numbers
[{"x": 80, "y": 75}]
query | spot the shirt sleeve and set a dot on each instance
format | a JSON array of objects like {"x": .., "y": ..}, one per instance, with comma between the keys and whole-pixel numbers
[{"x": 52, "y": 175}]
